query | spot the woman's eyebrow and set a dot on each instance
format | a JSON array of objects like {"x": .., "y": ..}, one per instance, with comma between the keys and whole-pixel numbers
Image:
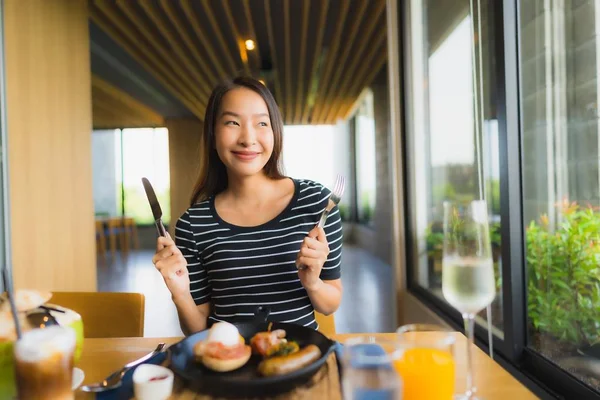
[{"x": 231, "y": 113}]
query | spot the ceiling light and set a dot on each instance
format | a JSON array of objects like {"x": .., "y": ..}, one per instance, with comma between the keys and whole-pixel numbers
[{"x": 249, "y": 44}]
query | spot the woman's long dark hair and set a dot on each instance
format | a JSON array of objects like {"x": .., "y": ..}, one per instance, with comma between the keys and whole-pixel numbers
[{"x": 213, "y": 175}]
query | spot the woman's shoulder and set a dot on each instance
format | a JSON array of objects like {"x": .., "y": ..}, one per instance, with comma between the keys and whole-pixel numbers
[
  {"x": 312, "y": 195},
  {"x": 200, "y": 211},
  {"x": 310, "y": 187}
]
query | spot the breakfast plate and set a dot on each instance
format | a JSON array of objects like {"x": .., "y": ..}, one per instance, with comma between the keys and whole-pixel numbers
[{"x": 247, "y": 379}]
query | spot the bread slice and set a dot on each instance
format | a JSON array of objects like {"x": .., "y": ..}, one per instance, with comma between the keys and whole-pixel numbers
[{"x": 219, "y": 365}]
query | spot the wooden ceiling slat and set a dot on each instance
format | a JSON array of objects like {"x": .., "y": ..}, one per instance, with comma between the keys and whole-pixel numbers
[
  {"x": 332, "y": 85},
  {"x": 288, "y": 62},
  {"x": 157, "y": 18},
  {"x": 177, "y": 21},
  {"x": 101, "y": 88},
  {"x": 203, "y": 37},
  {"x": 218, "y": 31},
  {"x": 376, "y": 20},
  {"x": 372, "y": 54},
  {"x": 315, "y": 61},
  {"x": 278, "y": 75},
  {"x": 253, "y": 36},
  {"x": 242, "y": 52},
  {"x": 300, "y": 90},
  {"x": 364, "y": 78},
  {"x": 141, "y": 55},
  {"x": 175, "y": 65},
  {"x": 186, "y": 47},
  {"x": 330, "y": 62}
]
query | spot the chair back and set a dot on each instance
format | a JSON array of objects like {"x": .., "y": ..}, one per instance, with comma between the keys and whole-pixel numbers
[
  {"x": 106, "y": 314},
  {"x": 326, "y": 324}
]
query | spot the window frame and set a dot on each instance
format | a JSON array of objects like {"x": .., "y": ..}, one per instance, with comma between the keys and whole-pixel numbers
[{"x": 542, "y": 376}]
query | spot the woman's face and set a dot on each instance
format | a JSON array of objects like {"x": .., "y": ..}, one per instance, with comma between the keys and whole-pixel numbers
[{"x": 243, "y": 132}]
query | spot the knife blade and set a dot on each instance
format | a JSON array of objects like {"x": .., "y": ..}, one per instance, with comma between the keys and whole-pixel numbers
[{"x": 154, "y": 206}]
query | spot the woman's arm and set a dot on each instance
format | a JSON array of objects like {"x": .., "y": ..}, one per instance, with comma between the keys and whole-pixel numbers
[
  {"x": 325, "y": 296},
  {"x": 192, "y": 318}
]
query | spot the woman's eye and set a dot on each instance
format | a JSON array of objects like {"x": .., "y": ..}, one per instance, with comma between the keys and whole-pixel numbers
[
  {"x": 263, "y": 124},
  {"x": 231, "y": 123}
]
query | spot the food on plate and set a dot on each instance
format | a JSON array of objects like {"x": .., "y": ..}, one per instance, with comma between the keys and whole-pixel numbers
[
  {"x": 280, "y": 365},
  {"x": 263, "y": 341},
  {"x": 224, "y": 348},
  {"x": 283, "y": 349}
]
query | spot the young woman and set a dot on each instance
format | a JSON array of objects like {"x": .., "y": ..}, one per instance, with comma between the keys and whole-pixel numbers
[{"x": 249, "y": 238}]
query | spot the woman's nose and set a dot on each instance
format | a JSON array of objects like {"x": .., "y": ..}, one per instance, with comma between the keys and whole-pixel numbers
[{"x": 248, "y": 136}]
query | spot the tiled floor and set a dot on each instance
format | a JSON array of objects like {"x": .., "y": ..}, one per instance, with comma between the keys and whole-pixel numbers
[{"x": 367, "y": 303}]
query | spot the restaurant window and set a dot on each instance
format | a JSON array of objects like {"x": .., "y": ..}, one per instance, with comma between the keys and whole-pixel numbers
[
  {"x": 120, "y": 159},
  {"x": 560, "y": 93},
  {"x": 452, "y": 136},
  {"x": 366, "y": 177}
]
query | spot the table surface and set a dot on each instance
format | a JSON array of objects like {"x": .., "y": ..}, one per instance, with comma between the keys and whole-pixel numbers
[{"x": 100, "y": 357}]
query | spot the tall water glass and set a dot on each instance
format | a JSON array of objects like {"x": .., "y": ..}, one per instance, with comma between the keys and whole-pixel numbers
[
  {"x": 467, "y": 269},
  {"x": 368, "y": 369}
]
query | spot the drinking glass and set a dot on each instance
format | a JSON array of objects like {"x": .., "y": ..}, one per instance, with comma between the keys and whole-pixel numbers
[
  {"x": 368, "y": 369},
  {"x": 467, "y": 269},
  {"x": 427, "y": 353}
]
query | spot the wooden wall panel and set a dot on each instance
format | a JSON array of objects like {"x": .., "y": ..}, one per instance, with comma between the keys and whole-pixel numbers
[
  {"x": 184, "y": 162},
  {"x": 49, "y": 144}
]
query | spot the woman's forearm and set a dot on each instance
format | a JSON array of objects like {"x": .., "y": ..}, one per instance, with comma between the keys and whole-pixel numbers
[
  {"x": 325, "y": 297},
  {"x": 192, "y": 318}
]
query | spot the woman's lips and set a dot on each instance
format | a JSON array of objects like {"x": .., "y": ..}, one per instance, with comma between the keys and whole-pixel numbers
[{"x": 245, "y": 155}]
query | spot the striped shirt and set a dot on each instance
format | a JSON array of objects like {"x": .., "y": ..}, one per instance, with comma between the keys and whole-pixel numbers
[{"x": 239, "y": 268}]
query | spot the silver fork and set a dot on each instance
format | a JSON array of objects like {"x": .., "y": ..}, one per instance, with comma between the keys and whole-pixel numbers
[
  {"x": 334, "y": 199},
  {"x": 336, "y": 196}
]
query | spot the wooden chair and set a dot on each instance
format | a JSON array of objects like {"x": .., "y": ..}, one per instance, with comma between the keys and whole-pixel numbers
[
  {"x": 106, "y": 314},
  {"x": 129, "y": 235},
  {"x": 100, "y": 239},
  {"x": 326, "y": 324}
]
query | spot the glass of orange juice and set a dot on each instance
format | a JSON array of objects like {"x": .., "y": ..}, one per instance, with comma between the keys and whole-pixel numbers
[{"x": 427, "y": 363}]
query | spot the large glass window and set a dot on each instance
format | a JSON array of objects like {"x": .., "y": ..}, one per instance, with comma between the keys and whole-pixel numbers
[
  {"x": 452, "y": 138},
  {"x": 366, "y": 176},
  {"x": 560, "y": 76},
  {"x": 120, "y": 159}
]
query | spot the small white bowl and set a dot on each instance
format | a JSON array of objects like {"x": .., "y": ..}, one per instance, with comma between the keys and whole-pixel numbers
[{"x": 146, "y": 389}]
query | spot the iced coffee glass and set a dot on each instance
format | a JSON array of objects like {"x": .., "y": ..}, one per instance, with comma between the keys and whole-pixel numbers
[{"x": 44, "y": 364}]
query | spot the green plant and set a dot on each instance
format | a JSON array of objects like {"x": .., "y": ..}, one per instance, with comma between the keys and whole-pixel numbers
[
  {"x": 344, "y": 212},
  {"x": 564, "y": 275}
]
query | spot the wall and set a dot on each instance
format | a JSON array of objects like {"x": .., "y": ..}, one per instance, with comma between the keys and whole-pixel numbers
[
  {"x": 184, "y": 162},
  {"x": 48, "y": 96}
]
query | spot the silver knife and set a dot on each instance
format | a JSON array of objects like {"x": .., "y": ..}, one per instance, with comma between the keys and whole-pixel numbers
[{"x": 155, "y": 206}]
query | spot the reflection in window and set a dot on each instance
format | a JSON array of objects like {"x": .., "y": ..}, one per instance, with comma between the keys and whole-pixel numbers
[
  {"x": 561, "y": 187},
  {"x": 120, "y": 159},
  {"x": 366, "y": 178},
  {"x": 453, "y": 148}
]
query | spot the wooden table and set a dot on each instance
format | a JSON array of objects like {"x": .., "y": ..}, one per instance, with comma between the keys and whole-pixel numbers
[{"x": 100, "y": 357}]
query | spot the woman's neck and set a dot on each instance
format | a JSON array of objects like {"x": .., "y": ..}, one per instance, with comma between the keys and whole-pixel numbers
[{"x": 253, "y": 188}]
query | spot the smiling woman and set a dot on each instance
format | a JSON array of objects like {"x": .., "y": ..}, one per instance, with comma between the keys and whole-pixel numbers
[{"x": 250, "y": 228}]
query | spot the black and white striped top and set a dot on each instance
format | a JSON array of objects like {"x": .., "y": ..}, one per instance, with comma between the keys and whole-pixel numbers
[{"x": 240, "y": 268}]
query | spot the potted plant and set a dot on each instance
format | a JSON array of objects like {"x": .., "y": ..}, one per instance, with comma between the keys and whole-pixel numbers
[{"x": 563, "y": 266}]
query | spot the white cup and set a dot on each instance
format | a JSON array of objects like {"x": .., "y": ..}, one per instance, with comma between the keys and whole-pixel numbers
[{"x": 147, "y": 389}]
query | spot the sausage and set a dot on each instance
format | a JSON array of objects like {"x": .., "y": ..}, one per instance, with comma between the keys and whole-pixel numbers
[{"x": 281, "y": 365}]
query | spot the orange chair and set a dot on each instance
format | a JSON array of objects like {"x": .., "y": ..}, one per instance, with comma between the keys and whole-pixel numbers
[
  {"x": 326, "y": 324},
  {"x": 106, "y": 314}
]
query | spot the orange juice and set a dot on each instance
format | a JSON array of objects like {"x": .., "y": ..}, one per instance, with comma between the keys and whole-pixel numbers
[{"x": 427, "y": 374}]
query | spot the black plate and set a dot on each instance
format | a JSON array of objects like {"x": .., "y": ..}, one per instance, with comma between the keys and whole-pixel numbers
[{"x": 246, "y": 380}]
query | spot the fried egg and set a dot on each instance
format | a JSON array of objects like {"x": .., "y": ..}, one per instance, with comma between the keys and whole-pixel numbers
[{"x": 225, "y": 333}]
